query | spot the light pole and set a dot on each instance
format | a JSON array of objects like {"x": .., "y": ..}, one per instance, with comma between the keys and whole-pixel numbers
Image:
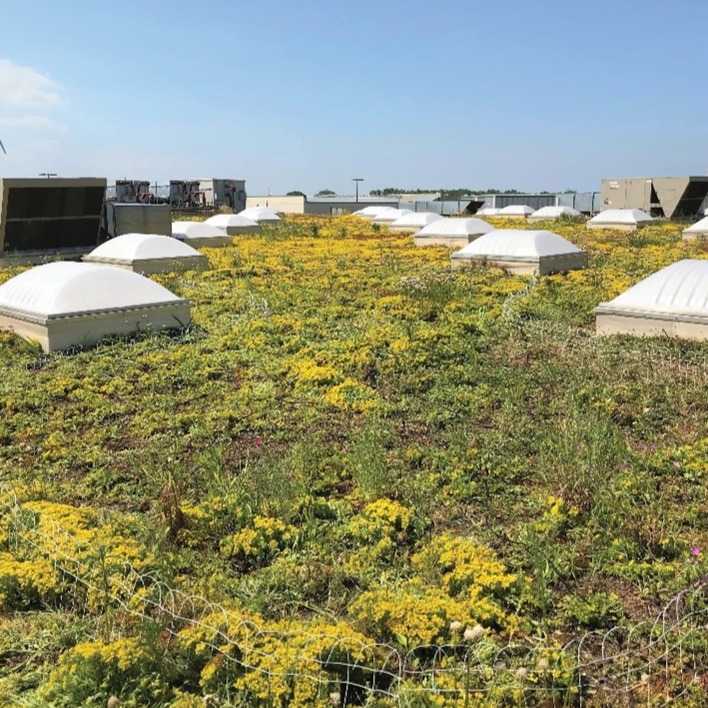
[
  {"x": 356, "y": 181},
  {"x": 47, "y": 174}
]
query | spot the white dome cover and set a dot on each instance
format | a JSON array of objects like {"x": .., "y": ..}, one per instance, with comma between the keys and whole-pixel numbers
[
  {"x": 391, "y": 214},
  {"x": 138, "y": 247},
  {"x": 554, "y": 212},
  {"x": 700, "y": 227},
  {"x": 259, "y": 214},
  {"x": 488, "y": 211},
  {"x": 681, "y": 288},
  {"x": 456, "y": 227},
  {"x": 416, "y": 220},
  {"x": 194, "y": 230},
  {"x": 65, "y": 288},
  {"x": 517, "y": 243},
  {"x": 516, "y": 210},
  {"x": 370, "y": 210},
  {"x": 621, "y": 216},
  {"x": 224, "y": 221}
]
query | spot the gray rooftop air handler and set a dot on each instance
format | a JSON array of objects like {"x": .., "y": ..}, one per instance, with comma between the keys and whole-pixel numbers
[
  {"x": 43, "y": 217},
  {"x": 669, "y": 197},
  {"x": 138, "y": 218},
  {"x": 186, "y": 194},
  {"x": 134, "y": 191}
]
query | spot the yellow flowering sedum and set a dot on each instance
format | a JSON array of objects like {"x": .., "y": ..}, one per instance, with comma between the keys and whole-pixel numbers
[
  {"x": 462, "y": 567},
  {"x": 59, "y": 547},
  {"x": 259, "y": 543},
  {"x": 458, "y": 581}
]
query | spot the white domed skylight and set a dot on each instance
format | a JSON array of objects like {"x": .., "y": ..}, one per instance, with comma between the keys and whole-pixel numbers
[
  {"x": 625, "y": 219},
  {"x": 553, "y": 212},
  {"x": 697, "y": 230},
  {"x": 389, "y": 214},
  {"x": 672, "y": 301},
  {"x": 233, "y": 224},
  {"x": 65, "y": 304},
  {"x": 260, "y": 214},
  {"x": 414, "y": 221},
  {"x": 523, "y": 251},
  {"x": 452, "y": 232},
  {"x": 147, "y": 253},
  {"x": 516, "y": 211}
]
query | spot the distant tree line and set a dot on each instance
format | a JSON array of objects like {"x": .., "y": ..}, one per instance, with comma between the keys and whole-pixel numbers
[{"x": 450, "y": 194}]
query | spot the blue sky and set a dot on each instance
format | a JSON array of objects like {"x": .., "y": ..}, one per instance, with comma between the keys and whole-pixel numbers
[{"x": 509, "y": 94}]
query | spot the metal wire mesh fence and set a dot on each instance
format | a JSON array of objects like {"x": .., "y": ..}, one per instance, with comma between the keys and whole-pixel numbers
[{"x": 665, "y": 657}]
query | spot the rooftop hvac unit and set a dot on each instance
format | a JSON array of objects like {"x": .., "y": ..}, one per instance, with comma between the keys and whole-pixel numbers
[
  {"x": 228, "y": 193},
  {"x": 122, "y": 219},
  {"x": 132, "y": 191},
  {"x": 39, "y": 217},
  {"x": 186, "y": 194}
]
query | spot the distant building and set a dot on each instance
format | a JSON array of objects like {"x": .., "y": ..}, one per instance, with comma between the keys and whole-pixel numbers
[
  {"x": 344, "y": 205},
  {"x": 283, "y": 204},
  {"x": 330, "y": 206},
  {"x": 585, "y": 202}
]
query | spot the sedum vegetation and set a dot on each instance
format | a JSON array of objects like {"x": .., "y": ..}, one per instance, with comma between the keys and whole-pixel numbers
[{"x": 352, "y": 458}]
